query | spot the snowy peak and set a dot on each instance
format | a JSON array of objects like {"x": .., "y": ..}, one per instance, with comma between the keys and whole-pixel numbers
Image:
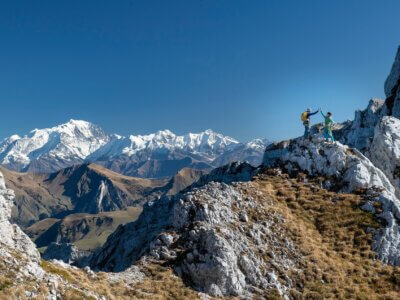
[
  {"x": 51, "y": 149},
  {"x": 164, "y": 140},
  {"x": 257, "y": 144},
  {"x": 67, "y": 143}
]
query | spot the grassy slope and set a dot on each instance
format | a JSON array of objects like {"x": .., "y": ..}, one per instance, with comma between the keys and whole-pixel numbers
[
  {"x": 95, "y": 233},
  {"x": 98, "y": 236},
  {"x": 329, "y": 230}
]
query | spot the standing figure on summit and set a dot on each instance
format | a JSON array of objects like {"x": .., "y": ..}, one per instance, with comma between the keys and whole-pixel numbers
[
  {"x": 305, "y": 117},
  {"x": 328, "y": 127}
]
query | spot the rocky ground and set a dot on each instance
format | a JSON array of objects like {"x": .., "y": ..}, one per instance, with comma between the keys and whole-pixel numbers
[
  {"x": 272, "y": 237},
  {"x": 275, "y": 236}
]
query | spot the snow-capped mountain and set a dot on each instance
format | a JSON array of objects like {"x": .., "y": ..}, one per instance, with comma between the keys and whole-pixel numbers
[
  {"x": 160, "y": 154},
  {"x": 51, "y": 149},
  {"x": 207, "y": 144}
]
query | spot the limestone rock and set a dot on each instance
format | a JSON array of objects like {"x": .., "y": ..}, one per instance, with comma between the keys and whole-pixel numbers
[
  {"x": 350, "y": 170},
  {"x": 392, "y": 88},
  {"x": 200, "y": 234},
  {"x": 385, "y": 149}
]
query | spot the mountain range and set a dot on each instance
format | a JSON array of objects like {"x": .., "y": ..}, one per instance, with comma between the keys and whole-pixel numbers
[
  {"x": 86, "y": 188},
  {"x": 156, "y": 155}
]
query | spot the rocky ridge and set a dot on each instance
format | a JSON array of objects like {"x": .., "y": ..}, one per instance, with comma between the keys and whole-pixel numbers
[
  {"x": 346, "y": 170},
  {"x": 204, "y": 232}
]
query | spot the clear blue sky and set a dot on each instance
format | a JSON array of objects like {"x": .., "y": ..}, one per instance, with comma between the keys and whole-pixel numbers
[{"x": 243, "y": 68}]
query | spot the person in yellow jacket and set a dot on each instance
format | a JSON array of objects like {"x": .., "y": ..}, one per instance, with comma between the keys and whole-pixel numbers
[{"x": 305, "y": 117}]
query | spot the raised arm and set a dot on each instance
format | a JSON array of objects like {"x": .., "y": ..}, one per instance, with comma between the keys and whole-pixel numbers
[
  {"x": 323, "y": 114},
  {"x": 311, "y": 114}
]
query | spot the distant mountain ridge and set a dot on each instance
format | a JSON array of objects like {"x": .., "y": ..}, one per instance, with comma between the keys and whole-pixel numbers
[{"x": 161, "y": 154}]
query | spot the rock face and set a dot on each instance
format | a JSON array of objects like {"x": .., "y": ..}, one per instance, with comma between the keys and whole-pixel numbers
[
  {"x": 18, "y": 253},
  {"x": 221, "y": 259},
  {"x": 392, "y": 88},
  {"x": 349, "y": 166},
  {"x": 346, "y": 170},
  {"x": 206, "y": 235},
  {"x": 384, "y": 151},
  {"x": 11, "y": 236},
  {"x": 360, "y": 132}
]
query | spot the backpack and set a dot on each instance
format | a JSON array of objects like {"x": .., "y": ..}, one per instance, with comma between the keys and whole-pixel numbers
[{"x": 304, "y": 116}]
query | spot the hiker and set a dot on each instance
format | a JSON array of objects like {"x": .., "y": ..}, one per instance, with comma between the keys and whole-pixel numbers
[
  {"x": 305, "y": 117},
  {"x": 328, "y": 127}
]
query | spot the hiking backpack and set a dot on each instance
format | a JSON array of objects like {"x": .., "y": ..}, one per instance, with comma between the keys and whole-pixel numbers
[{"x": 304, "y": 116}]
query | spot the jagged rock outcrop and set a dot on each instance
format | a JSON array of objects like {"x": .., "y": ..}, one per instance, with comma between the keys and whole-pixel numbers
[
  {"x": 347, "y": 170},
  {"x": 220, "y": 258},
  {"x": 206, "y": 235},
  {"x": 12, "y": 240},
  {"x": 392, "y": 88},
  {"x": 384, "y": 151},
  {"x": 359, "y": 133}
]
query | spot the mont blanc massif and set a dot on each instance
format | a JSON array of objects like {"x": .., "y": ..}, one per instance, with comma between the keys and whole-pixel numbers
[{"x": 90, "y": 215}]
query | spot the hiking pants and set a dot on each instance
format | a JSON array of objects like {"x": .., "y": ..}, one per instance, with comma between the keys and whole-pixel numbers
[
  {"x": 306, "y": 128},
  {"x": 306, "y": 131},
  {"x": 328, "y": 135}
]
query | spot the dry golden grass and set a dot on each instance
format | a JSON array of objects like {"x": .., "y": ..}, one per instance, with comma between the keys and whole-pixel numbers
[
  {"x": 160, "y": 283},
  {"x": 330, "y": 230}
]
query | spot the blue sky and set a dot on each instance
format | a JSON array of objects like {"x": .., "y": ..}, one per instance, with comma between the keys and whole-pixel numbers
[{"x": 243, "y": 68}]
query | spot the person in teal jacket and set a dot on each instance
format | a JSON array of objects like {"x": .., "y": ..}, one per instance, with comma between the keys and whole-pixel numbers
[{"x": 328, "y": 126}]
